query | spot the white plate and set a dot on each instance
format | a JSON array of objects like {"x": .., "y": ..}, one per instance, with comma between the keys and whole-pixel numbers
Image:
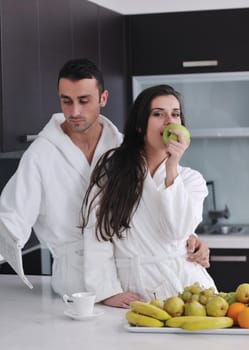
[
  {"x": 232, "y": 330},
  {"x": 96, "y": 313}
]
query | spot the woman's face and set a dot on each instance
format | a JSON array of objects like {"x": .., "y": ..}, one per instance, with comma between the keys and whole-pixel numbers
[{"x": 164, "y": 110}]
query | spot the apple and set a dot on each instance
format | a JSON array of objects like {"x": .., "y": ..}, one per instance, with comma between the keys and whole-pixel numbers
[
  {"x": 242, "y": 293},
  {"x": 174, "y": 306},
  {"x": 216, "y": 306},
  {"x": 168, "y": 136}
]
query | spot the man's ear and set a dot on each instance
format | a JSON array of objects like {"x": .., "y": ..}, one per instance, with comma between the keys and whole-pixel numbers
[{"x": 104, "y": 98}]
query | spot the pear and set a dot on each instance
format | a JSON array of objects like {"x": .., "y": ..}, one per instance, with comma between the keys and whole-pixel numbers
[
  {"x": 195, "y": 288},
  {"x": 194, "y": 308},
  {"x": 174, "y": 306},
  {"x": 242, "y": 293},
  {"x": 216, "y": 306},
  {"x": 157, "y": 302}
]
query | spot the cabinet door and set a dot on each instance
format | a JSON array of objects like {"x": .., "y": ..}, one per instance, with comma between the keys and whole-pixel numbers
[
  {"x": 161, "y": 43},
  {"x": 229, "y": 268},
  {"x": 113, "y": 64},
  {"x": 55, "y": 50},
  {"x": 20, "y": 72},
  {"x": 85, "y": 30}
]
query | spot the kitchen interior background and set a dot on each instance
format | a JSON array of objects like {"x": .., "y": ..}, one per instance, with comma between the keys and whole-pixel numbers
[
  {"x": 223, "y": 160},
  {"x": 216, "y": 109}
]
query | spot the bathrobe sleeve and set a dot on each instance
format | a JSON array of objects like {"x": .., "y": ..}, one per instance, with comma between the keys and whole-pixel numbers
[
  {"x": 182, "y": 204},
  {"x": 99, "y": 268},
  {"x": 20, "y": 199}
]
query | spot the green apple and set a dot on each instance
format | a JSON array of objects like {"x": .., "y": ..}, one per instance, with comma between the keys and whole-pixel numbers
[
  {"x": 168, "y": 136},
  {"x": 174, "y": 306},
  {"x": 216, "y": 306},
  {"x": 242, "y": 293}
]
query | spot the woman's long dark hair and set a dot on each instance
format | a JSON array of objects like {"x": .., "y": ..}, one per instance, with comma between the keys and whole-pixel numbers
[{"x": 119, "y": 174}]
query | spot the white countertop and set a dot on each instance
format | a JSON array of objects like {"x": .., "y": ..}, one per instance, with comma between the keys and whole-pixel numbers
[
  {"x": 34, "y": 320},
  {"x": 232, "y": 241}
]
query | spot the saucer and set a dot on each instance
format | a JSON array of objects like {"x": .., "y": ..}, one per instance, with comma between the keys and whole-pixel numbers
[{"x": 71, "y": 314}]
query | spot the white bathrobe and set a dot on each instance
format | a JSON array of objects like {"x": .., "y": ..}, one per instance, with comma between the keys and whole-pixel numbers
[
  {"x": 151, "y": 258},
  {"x": 46, "y": 193}
]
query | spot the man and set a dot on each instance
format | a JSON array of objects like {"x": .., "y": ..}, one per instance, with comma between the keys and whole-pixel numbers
[{"x": 47, "y": 189}]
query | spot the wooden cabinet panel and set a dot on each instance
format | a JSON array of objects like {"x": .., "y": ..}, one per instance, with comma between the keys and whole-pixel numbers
[
  {"x": 113, "y": 64},
  {"x": 160, "y": 43},
  {"x": 229, "y": 268},
  {"x": 85, "y": 36},
  {"x": 20, "y": 72},
  {"x": 55, "y": 39}
]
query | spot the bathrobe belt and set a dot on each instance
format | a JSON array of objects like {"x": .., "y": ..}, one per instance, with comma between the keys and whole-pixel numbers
[{"x": 75, "y": 247}]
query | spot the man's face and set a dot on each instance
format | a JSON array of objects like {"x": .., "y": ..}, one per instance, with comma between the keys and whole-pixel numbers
[{"x": 81, "y": 102}]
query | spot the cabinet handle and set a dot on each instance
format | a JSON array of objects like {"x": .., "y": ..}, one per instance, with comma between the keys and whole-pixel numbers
[
  {"x": 204, "y": 63},
  {"x": 228, "y": 258},
  {"x": 27, "y": 138}
]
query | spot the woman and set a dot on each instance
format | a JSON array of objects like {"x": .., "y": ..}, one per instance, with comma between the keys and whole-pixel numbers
[{"x": 145, "y": 204}]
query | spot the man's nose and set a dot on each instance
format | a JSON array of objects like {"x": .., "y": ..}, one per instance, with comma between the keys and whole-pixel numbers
[{"x": 75, "y": 109}]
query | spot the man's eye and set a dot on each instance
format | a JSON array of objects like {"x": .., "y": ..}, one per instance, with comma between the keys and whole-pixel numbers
[
  {"x": 66, "y": 102},
  {"x": 83, "y": 102}
]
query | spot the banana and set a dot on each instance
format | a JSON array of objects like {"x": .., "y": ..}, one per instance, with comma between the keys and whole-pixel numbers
[
  {"x": 177, "y": 321},
  {"x": 149, "y": 310},
  {"x": 136, "y": 319},
  {"x": 208, "y": 323}
]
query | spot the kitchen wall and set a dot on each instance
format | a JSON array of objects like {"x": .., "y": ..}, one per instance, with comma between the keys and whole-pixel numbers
[{"x": 216, "y": 108}]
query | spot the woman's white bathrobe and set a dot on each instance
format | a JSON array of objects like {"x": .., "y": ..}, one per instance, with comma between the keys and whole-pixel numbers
[
  {"x": 46, "y": 193},
  {"x": 151, "y": 257}
]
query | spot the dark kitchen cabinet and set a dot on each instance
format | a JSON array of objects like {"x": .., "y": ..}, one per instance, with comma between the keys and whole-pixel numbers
[
  {"x": 161, "y": 43},
  {"x": 37, "y": 37},
  {"x": 229, "y": 268},
  {"x": 55, "y": 48},
  {"x": 113, "y": 62},
  {"x": 85, "y": 29},
  {"x": 20, "y": 85}
]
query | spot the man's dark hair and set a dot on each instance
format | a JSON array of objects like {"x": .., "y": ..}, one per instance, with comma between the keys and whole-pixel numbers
[{"x": 82, "y": 68}]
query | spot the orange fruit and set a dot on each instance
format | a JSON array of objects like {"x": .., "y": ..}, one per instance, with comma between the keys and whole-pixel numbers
[
  {"x": 234, "y": 309},
  {"x": 243, "y": 318}
]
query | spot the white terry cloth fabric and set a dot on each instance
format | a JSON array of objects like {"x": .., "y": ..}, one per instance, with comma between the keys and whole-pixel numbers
[
  {"x": 46, "y": 193},
  {"x": 151, "y": 257}
]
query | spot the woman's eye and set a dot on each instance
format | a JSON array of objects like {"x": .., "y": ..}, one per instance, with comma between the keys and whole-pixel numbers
[
  {"x": 176, "y": 115},
  {"x": 157, "y": 114}
]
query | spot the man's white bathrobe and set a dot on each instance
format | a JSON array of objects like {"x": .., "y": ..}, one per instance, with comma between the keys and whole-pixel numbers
[
  {"x": 151, "y": 257},
  {"x": 46, "y": 193}
]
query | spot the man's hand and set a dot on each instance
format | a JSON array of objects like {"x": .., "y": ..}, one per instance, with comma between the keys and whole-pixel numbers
[
  {"x": 198, "y": 251},
  {"x": 122, "y": 300}
]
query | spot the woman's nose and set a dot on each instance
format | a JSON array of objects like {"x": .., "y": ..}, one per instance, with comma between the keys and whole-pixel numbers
[{"x": 167, "y": 119}]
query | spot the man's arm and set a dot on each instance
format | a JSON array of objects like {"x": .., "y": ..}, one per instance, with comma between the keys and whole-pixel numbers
[{"x": 198, "y": 251}]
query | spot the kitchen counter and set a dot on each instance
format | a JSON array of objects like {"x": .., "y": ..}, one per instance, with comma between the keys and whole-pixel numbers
[
  {"x": 34, "y": 320},
  {"x": 229, "y": 241}
]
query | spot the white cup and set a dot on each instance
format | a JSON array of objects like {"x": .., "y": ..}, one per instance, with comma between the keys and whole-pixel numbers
[{"x": 81, "y": 303}]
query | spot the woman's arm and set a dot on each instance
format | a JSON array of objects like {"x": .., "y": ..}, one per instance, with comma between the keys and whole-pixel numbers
[
  {"x": 122, "y": 300},
  {"x": 198, "y": 251}
]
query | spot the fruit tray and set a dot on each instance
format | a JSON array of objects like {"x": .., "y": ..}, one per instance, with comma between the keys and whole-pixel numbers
[{"x": 224, "y": 331}]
